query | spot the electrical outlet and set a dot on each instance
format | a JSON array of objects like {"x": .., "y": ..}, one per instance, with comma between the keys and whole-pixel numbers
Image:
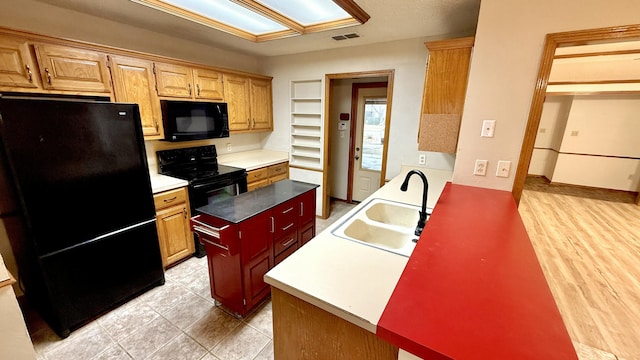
[
  {"x": 422, "y": 159},
  {"x": 503, "y": 168},
  {"x": 228, "y": 147},
  {"x": 481, "y": 168}
]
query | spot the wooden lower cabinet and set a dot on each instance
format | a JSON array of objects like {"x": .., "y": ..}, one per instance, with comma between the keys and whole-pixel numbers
[
  {"x": 264, "y": 176},
  {"x": 302, "y": 331},
  {"x": 172, "y": 220}
]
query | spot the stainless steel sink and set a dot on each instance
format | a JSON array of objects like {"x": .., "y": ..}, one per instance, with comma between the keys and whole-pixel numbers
[{"x": 383, "y": 224}]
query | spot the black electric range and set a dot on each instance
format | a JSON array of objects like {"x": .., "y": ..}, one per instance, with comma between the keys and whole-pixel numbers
[{"x": 209, "y": 181}]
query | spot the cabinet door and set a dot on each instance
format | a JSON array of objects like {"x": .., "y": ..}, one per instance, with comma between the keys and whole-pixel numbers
[
  {"x": 261, "y": 105},
  {"x": 133, "y": 82},
  {"x": 72, "y": 69},
  {"x": 174, "y": 233},
  {"x": 256, "y": 247},
  {"x": 174, "y": 80},
  {"x": 17, "y": 69},
  {"x": 307, "y": 207},
  {"x": 236, "y": 93},
  {"x": 208, "y": 84}
]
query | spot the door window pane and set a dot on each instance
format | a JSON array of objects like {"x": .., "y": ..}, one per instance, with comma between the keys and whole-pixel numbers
[{"x": 375, "y": 111}]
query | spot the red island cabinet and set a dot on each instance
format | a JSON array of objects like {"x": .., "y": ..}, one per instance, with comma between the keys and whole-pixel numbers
[
  {"x": 246, "y": 236},
  {"x": 236, "y": 267}
]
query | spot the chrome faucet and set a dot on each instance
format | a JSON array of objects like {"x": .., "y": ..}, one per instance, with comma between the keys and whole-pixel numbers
[{"x": 425, "y": 190}]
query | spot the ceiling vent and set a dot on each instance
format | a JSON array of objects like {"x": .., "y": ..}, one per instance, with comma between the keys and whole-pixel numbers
[{"x": 345, "y": 36}]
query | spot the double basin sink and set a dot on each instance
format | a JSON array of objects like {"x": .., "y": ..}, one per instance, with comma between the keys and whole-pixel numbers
[{"x": 384, "y": 224}]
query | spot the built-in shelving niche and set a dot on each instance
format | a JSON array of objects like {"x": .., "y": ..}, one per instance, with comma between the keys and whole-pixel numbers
[{"x": 306, "y": 124}]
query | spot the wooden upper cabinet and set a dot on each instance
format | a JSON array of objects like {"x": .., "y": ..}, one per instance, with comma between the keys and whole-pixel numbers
[
  {"x": 445, "y": 87},
  {"x": 261, "y": 105},
  {"x": 186, "y": 82},
  {"x": 17, "y": 67},
  {"x": 236, "y": 93},
  {"x": 208, "y": 84},
  {"x": 72, "y": 69},
  {"x": 133, "y": 82},
  {"x": 174, "y": 80}
]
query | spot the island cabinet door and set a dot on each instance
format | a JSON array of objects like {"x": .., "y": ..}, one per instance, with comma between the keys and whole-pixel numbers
[
  {"x": 307, "y": 218},
  {"x": 256, "y": 246}
]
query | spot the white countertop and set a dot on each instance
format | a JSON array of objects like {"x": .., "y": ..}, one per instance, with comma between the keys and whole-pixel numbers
[
  {"x": 160, "y": 183},
  {"x": 348, "y": 279},
  {"x": 253, "y": 159}
]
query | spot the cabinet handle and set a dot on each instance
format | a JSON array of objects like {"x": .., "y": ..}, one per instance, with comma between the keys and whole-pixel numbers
[
  {"x": 198, "y": 89},
  {"x": 254, "y": 123},
  {"x": 155, "y": 122},
  {"x": 285, "y": 244},
  {"x": 248, "y": 122},
  {"x": 210, "y": 242},
  {"x": 29, "y": 73},
  {"x": 273, "y": 225},
  {"x": 48, "y": 75},
  {"x": 289, "y": 209},
  {"x": 301, "y": 209},
  {"x": 170, "y": 199},
  {"x": 287, "y": 227},
  {"x": 184, "y": 211},
  {"x": 189, "y": 89}
]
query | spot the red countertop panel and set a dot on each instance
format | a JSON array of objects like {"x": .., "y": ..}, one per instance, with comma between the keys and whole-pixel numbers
[{"x": 473, "y": 287}]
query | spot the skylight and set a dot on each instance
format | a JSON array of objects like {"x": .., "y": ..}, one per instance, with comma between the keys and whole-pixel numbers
[{"x": 261, "y": 20}]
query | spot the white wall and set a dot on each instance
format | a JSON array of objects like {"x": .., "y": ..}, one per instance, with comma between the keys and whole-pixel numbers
[
  {"x": 504, "y": 67},
  {"x": 42, "y": 18},
  {"x": 603, "y": 125},
  {"x": 553, "y": 121},
  {"x": 339, "y": 158},
  {"x": 406, "y": 57}
]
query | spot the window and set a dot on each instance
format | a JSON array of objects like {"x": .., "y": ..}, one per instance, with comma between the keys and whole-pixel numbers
[
  {"x": 375, "y": 112},
  {"x": 262, "y": 20}
]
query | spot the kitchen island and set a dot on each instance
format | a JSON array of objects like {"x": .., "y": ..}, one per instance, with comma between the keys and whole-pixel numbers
[
  {"x": 248, "y": 234},
  {"x": 472, "y": 289}
]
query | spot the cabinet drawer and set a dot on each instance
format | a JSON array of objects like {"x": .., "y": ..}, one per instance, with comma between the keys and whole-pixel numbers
[
  {"x": 284, "y": 218},
  {"x": 277, "y": 178},
  {"x": 257, "y": 174},
  {"x": 284, "y": 242},
  {"x": 171, "y": 197},
  {"x": 290, "y": 250},
  {"x": 278, "y": 169},
  {"x": 257, "y": 184}
]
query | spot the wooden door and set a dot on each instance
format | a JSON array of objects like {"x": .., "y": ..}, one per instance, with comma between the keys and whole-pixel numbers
[
  {"x": 236, "y": 93},
  {"x": 174, "y": 80},
  {"x": 133, "y": 82},
  {"x": 71, "y": 69},
  {"x": 208, "y": 84},
  {"x": 261, "y": 105},
  {"x": 174, "y": 233},
  {"x": 17, "y": 68}
]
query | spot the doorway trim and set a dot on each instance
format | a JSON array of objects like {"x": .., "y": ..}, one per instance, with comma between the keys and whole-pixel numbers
[
  {"x": 355, "y": 87},
  {"x": 328, "y": 93},
  {"x": 552, "y": 41}
]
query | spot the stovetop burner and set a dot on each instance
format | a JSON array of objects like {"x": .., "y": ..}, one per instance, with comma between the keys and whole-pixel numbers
[{"x": 196, "y": 164}]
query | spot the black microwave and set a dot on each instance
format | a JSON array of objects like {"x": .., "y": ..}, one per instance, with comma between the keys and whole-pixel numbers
[{"x": 192, "y": 120}]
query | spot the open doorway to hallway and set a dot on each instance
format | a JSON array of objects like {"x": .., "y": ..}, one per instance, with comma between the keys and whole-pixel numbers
[{"x": 341, "y": 118}]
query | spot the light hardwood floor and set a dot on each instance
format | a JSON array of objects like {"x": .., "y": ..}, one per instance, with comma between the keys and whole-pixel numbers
[{"x": 588, "y": 244}]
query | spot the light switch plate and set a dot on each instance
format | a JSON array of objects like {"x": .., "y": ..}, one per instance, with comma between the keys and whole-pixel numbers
[
  {"x": 488, "y": 128},
  {"x": 481, "y": 168}
]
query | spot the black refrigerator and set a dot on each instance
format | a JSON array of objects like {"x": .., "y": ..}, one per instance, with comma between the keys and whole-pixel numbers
[{"x": 79, "y": 173}]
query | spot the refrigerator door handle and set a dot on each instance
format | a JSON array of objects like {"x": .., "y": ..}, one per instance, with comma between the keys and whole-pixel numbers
[{"x": 98, "y": 238}]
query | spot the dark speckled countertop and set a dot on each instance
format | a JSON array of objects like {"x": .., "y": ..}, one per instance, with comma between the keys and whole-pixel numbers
[{"x": 238, "y": 208}]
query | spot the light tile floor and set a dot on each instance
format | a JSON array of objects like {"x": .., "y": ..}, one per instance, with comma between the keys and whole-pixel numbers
[{"x": 178, "y": 320}]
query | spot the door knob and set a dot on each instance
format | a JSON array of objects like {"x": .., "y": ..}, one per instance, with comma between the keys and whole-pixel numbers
[{"x": 357, "y": 149}]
